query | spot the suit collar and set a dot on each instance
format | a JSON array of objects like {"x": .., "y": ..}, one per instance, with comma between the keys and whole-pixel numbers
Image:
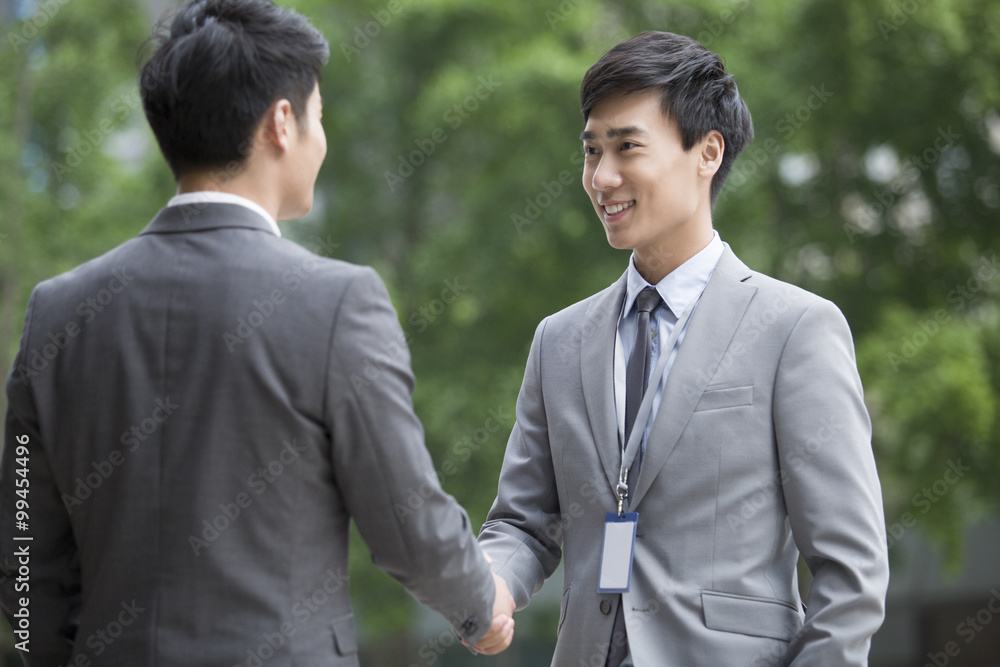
[
  {"x": 731, "y": 266},
  {"x": 205, "y": 216},
  {"x": 202, "y": 197}
]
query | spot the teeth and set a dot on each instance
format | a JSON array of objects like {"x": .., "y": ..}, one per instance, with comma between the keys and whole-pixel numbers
[{"x": 618, "y": 208}]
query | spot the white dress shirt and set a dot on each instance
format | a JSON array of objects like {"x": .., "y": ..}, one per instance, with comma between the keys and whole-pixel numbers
[
  {"x": 213, "y": 197},
  {"x": 678, "y": 289}
]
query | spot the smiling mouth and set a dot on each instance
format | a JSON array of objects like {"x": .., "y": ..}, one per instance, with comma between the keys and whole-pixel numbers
[{"x": 615, "y": 209}]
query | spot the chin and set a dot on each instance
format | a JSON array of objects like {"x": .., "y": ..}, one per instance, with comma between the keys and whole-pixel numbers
[
  {"x": 619, "y": 241},
  {"x": 300, "y": 211},
  {"x": 307, "y": 204}
]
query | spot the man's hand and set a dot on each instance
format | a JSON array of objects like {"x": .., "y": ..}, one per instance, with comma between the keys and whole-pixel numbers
[{"x": 501, "y": 632}]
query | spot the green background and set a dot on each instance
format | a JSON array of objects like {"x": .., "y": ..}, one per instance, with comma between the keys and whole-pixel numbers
[{"x": 874, "y": 181}]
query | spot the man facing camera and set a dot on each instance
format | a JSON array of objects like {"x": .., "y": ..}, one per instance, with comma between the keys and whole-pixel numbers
[
  {"x": 196, "y": 448},
  {"x": 654, "y": 413}
]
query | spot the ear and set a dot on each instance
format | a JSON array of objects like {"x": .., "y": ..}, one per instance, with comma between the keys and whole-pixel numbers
[
  {"x": 275, "y": 130},
  {"x": 710, "y": 154}
]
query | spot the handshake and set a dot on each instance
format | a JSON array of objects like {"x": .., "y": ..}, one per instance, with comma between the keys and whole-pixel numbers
[{"x": 501, "y": 632}]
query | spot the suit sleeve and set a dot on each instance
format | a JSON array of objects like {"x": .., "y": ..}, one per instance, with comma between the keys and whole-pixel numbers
[
  {"x": 417, "y": 533},
  {"x": 831, "y": 489},
  {"x": 43, "y": 571},
  {"x": 523, "y": 532}
]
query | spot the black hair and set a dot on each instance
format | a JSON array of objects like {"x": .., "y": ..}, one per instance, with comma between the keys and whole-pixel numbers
[
  {"x": 697, "y": 92},
  {"x": 217, "y": 69}
]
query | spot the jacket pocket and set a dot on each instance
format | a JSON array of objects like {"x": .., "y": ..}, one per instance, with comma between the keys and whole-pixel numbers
[
  {"x": 729, "y": 397},
  {"x": 344, "y": 640},
  {"x": 759, "y": 617}
]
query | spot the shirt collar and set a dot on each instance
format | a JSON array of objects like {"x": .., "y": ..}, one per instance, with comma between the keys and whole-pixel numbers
[
  {"x": 682, "y": 285},
  {"x": 213, "y": 197}
]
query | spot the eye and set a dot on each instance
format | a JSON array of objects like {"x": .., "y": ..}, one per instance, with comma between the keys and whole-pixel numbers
[
  {"x": 627, "y": 145},
  {"x": 589, "y": 150}
]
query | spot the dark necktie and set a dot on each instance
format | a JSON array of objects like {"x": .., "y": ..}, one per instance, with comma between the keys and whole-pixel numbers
[
  {"x": 637, "y": 373},
  {"x": 636, "y": 376}
]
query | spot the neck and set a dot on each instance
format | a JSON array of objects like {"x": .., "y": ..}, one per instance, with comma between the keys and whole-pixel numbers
[
  {"x": 244, "y": 185},
  {"x": 656, "y": 262}
]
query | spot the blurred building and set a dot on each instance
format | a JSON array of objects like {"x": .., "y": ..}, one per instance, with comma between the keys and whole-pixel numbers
[{"x": 938, "y": 618}]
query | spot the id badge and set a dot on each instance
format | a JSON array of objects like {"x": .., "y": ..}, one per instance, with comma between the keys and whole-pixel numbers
[{"x": 617, "y": 552}]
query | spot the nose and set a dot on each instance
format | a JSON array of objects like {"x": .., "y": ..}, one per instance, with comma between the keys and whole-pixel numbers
[{"x": 606, "y": 175}]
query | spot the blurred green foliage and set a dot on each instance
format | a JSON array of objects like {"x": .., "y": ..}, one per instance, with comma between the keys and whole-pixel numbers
[{"x": 454, "y": 169}]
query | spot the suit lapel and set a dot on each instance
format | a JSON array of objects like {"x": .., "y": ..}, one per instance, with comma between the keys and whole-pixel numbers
[
  {"x": 597, "y": 351},
  {"x": 708, "y": 336}
]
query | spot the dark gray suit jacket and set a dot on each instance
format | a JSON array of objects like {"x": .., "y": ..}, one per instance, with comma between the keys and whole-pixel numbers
[{"x": 205, "y": 408}]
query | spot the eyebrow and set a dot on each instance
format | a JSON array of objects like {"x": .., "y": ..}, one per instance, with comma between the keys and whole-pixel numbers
[{"x": 613, "y": 133}]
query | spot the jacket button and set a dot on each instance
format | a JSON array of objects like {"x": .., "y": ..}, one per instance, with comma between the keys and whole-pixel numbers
[{"x": 605, "y": 607}]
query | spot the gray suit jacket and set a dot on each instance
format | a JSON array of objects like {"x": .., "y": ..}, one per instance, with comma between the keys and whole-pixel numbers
[
  {"x": 206, "y": 407},
  {"x": 760, "y": 451}
]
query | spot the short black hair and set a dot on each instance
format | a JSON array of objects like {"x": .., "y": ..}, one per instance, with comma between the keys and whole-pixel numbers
[
  {"x": 697, "y": 92},
  {"x": 217, "y": 69}
]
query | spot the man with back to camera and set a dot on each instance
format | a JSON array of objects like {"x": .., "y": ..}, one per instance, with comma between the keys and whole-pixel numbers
[
  {"x": 197, "y": 446},
  {"x": 754, "y": 402}
]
